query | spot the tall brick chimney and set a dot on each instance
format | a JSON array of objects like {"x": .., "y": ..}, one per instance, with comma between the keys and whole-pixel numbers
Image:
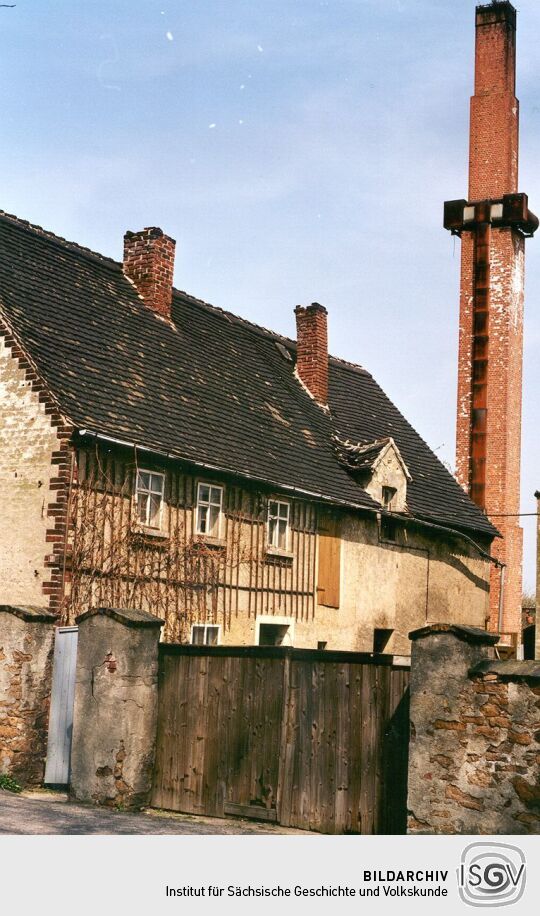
[
  {"x": 149, "y": 263},
  {"x": 493, "y": 225},
  {"x": 312, "y": 349}
]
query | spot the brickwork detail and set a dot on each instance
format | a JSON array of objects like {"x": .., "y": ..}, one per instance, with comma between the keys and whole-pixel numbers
[
  {"x": 493, "y": 172},
  {"x": 35, "y": 468},
  {"x": 312, "y": 350},
  {"x": 149, "y": 264},
  {"x": 493, "y": 168}
]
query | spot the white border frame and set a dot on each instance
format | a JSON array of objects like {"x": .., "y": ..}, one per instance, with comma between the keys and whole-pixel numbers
[{"x": 205, "y": 625}]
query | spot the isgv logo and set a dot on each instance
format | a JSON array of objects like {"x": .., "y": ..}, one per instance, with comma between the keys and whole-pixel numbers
[{"x": 491, "y": 874}]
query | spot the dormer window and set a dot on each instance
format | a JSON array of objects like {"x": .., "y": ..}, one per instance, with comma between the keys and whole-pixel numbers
[{"x": 379, "y": 468}]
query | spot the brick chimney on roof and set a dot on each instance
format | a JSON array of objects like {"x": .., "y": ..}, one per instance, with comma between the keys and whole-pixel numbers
[
  {"x": 149, "y": 263},
  {"x": 312, "y": 350}
]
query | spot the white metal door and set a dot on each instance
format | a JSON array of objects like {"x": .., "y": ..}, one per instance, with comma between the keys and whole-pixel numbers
[{"x": 57, "y": 770}]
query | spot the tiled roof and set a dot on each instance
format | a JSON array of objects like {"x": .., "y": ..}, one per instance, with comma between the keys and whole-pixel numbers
[
  {"x": 207, "y": 387},
  {"x": 359, "y": 457}
]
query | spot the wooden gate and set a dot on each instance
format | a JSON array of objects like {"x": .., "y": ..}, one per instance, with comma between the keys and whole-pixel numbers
[
  {"x": 309, "y": 739},
  {"x": 57, "y": 768}
]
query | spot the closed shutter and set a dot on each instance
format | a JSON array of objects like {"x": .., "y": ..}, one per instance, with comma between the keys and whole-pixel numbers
[{"x": 328, "y": 578}]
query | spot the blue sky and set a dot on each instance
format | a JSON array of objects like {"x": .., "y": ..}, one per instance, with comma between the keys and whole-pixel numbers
[{"x": 298, "y": 150}]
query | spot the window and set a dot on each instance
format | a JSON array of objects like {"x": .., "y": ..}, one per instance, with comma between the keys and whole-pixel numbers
[
  {"x": 388, "y": 494},
  {"x": 388, "y": 529},
  {"x": 381, "y": 638},
  {"x": 209, "y": 502},
  {"x": 274, "y": 634},
  {"x": 274, "y": 630},
  {"x": 149, "y": 498},
  {"x": 205, "y": 634},
  {"x": 278, "y": 524}
]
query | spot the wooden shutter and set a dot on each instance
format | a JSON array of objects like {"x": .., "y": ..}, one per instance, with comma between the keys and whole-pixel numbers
[{"x": 329, "y": 567}]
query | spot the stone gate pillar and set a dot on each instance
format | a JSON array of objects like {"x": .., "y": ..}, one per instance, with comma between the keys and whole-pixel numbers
[
  {"x": 26, "y": 653},
  {"x": 115, "y": 715}
]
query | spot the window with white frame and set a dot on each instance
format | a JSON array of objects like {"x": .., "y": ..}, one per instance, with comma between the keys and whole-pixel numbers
[
  {"x": 205, "y": 634},
  {"x": 278, "y": 524},
  {"x": 209, "y": 505},
  {"x": 149, "y": 490},
  {"x": 274, "y": 631}
]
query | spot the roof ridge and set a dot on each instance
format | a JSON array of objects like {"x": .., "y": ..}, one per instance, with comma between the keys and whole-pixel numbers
[
  {"x": 111, "y": 262},
  {"x": 57, "y": 239},
  {"x": 347, "y": 364},
  {"x": 266, "y": 332},
  {"x": 225, "y": 313}
]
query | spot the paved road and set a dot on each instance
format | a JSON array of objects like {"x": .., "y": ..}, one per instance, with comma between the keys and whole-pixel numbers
[{"x": 34, "y": 813}]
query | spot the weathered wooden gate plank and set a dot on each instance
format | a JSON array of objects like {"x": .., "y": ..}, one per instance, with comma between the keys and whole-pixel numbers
[{"x": 317, "y": 740}]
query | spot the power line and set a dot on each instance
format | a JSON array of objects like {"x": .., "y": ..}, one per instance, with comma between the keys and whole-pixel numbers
[{"x": 512, "y": 514}]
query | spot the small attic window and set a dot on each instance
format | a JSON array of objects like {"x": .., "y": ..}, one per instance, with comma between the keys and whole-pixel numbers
[{"x": 388, "y": 496}]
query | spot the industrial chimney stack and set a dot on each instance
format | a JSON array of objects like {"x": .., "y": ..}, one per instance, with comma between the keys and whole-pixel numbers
[{"x": 493, "y": 224}]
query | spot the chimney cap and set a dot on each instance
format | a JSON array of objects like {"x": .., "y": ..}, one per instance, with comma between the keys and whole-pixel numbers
[
  {"x": 314, "y": 307},
  {"x": 154, "y": 232},
  {"x": 497, "y": 11}
]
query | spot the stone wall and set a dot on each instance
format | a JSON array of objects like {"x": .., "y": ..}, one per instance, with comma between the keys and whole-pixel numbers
[
  {"x": 115, "y": 715},
  {"x": 474, "y": 762},
  {"x": 26, "y": 653}
]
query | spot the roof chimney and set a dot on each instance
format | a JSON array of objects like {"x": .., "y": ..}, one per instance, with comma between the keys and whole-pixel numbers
[
  {"x": 312, "y": 350},
  {"x": 149, "y": 263}
]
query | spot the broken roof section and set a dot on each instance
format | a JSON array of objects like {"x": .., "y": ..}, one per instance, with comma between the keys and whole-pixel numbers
[
  {"x": 368, "y": 455},
  {"x": 207, "y": 387}
]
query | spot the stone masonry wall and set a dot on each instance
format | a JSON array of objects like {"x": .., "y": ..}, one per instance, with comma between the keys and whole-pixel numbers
[
  {"x": 26, "y": 653},
  {"x": 474, "y": 764}
]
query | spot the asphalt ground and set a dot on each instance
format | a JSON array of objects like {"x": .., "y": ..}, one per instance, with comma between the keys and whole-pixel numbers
[{"x": 52, "y": 813}]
